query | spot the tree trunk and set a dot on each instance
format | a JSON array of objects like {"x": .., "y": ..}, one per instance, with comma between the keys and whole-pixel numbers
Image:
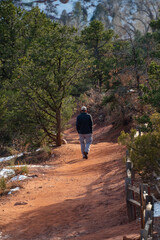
[{"x": 58, "y": 134}]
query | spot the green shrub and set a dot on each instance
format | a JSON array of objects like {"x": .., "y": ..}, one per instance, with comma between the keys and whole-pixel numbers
[
  {"x": 144, "y": 150},
  {"x": 24, "y": 170},
  {"x": 145, "y": 124},
  {"x": 145, "y": 154},
  {"x": 47, "y": 149}
]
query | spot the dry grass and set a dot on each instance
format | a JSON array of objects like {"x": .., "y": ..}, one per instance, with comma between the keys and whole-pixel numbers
[
  {"x": 2, "y": 184},
  {"x": 9, "y": 186}
]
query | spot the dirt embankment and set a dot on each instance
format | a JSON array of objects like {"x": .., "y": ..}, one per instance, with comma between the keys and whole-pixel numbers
[{"x": 74, "y": 199}]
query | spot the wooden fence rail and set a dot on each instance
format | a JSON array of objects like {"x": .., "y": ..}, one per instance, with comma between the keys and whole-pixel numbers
[{"x": 145, "y": 203}]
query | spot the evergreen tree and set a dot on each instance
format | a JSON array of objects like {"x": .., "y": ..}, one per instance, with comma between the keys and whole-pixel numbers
[
  {"x": 43, "y": 62},
  {"x": 99, "y": 43},
  {"x": 151, "y": 88},
  {"x": 45, "y": 75},
  {"x": 9, "y": 28},
  {"x": 79, "y": 15}
]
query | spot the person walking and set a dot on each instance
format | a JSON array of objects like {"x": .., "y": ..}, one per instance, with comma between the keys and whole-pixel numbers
[{"x": 84, "y": 125}]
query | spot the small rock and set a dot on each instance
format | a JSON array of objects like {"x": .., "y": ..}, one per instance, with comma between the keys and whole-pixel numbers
[
  {"x": 20, "y": 203},
  {"x": 33, "y": 176}
]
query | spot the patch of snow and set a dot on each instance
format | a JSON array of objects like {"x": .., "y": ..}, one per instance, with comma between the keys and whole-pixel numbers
[
  {"x": 32, "y": 166},
  {"x": 14, "y": 190},
  {"x": 6, "y": 173},
  {"x": 131, "y": 90},
  {"x": 39, "y": 149},
  {"x": 18, "y": 178},
  {"x": 3, "y": 159},
  {"x": 157, "y": 209},
  {"x": 136, "y": 134},
  {"x": 10, "y": 157}
]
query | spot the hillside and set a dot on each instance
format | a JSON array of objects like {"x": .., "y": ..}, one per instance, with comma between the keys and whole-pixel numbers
[{"x": 74, "y": 199}]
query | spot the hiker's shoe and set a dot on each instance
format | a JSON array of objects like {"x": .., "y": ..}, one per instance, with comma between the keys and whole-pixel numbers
[{"x": 86, "y": 155}]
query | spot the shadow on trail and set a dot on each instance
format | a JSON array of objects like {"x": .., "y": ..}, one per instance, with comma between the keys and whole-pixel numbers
[{"x": 76, "y": 161}]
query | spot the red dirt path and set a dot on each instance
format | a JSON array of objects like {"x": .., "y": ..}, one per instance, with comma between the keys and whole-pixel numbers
[{"x": 74, "y": 199}]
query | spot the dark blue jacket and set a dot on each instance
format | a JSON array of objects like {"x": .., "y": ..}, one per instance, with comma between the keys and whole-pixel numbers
[{"x": 84, "y": 123}]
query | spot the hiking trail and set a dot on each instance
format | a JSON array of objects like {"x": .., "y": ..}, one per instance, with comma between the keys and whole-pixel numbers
[{"x": 75, "y": 198}]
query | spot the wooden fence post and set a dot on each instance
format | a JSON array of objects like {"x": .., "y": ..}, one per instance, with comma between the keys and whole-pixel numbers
[
  {"x": 150, "y": 200},
  {"x": 143, "y": 192},
  {"x": 146, "y": 204},
  {"x": 129, "y": 193}
]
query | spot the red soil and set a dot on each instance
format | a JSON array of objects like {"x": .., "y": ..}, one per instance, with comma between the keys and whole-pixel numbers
[{"x": 74, "y": 199}]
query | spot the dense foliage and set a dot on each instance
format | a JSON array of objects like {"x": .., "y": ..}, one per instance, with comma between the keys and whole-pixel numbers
[
  {"x": 40, "y": 60},
  {"x": 145, "y": 150}
]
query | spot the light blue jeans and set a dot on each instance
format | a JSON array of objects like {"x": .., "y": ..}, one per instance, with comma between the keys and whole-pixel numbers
[{"x": 85, "y": 141}]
